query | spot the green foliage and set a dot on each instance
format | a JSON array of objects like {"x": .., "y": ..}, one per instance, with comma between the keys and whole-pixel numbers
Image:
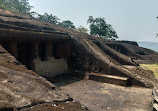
[
  {"x": 21, "y": 6},
  {"x": 82, "y": 29},
  {"x": 6, "y": 8},
  {"x": 49, "y": 18},
  {"x": 53, "y": 19},
  {"x": 67, "y": 24},
  {"x": 2, "y": 1},
  {"x": 99, "y": 27}
]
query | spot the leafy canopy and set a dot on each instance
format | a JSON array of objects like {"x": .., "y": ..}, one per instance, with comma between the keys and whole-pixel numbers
[
  {"x": 21, "y": 6},
  {"x": 67, "y": 24},
  {"x": 82, "y": 29},
  {"x": 48, "y": 18},
  {"x": 99, "y": 27},
  {"x": 53, "y": 19}
]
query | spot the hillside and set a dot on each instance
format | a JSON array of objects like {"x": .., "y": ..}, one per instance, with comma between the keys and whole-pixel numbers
[{"x": 24, "y": 89}]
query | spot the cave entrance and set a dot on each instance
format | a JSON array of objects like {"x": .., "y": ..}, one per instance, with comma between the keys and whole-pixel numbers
[
  {"x": 24, "y": 54},
  {"x": 42, "y": 51},
  {"x": 47, "y": 58}
]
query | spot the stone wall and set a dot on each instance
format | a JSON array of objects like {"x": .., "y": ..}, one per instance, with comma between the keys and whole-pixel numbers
[{"x": 51, "y": 67}]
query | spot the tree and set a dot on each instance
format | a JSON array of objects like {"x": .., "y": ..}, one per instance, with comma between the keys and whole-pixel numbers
[
  {"x": 24, "y": 6},
  {"x": 21, "y": 6},
  {"x": 99, "y": 27},
  {"x": 67, "y": 24},
  {"x": 111, "y": 33},
  {"x": 82, "y": 29},
  {"x": 2, "y": 1},
  {"x": 49, "y": 18}
]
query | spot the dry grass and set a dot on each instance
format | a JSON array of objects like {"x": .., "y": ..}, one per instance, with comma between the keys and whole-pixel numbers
[{"x": 151, "y": 67}]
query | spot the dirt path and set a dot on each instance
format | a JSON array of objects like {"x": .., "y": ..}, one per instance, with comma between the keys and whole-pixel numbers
[{"x": 106, "y": 97}]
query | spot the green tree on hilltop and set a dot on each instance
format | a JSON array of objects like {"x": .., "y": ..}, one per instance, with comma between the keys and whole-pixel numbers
[
  {"x": 2, "y": 1},
  {"x": 99, "y": 27},
  {"x": 67, "y": 24},
  {"x": 48, "y": 18},
  {"x": 21, "y": 6},
  {"x": 82, "y": 29}
]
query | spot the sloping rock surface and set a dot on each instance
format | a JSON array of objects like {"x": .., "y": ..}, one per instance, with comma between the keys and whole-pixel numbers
[
  {"x": 22, "y": 89},
  {"x": 89, "y": 53}
]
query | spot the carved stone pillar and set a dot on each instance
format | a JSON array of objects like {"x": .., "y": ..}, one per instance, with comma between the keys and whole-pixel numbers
[{"x": 34, "y": 54}]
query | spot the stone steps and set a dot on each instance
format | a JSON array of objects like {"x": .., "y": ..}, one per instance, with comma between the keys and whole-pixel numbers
[{"x": 111, "y": 79}]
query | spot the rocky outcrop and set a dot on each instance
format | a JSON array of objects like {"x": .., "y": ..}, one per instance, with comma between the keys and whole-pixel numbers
[
  {"x": 21, "y": 89},
  {"x": 95, "y": 59},
  {"x": 89, "y": 53}
]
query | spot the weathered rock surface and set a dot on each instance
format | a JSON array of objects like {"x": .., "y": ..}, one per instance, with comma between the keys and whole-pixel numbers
[
  {"x": 22, "y": 89},
  {"x": 62, "y": 106},
  {"x": 89, "y": 53},
  {"x": 107, "y": 97}
]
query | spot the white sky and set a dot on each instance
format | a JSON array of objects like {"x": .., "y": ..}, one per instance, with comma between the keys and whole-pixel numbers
[{"x": 132, "y": 19}]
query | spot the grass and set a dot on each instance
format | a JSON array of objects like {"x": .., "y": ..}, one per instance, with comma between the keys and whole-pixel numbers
[{"x": 152, "y": 67}]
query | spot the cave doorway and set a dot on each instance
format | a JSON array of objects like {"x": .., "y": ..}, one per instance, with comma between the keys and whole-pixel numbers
[{"x": 24, "y": 54}]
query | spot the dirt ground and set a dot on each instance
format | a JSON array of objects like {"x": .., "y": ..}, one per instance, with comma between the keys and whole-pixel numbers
[{"x": 106, "y": 97}]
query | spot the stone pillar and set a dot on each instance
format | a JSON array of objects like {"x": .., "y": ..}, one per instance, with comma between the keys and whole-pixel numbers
[
  {"x": 12, "y": 48},
  {"x": 34, "y": 53}
]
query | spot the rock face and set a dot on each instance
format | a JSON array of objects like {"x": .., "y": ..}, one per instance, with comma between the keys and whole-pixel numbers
[
  {"x": 96, "y": 59},
  {"x": 63, "y": 106},
  {"x": 88, "y": 53},
  {"x": 138, "y": 54},
  {"x": 107, "y": 97},
  {"x": 21, "y": 88},
  {"x": 24, "y": 89}
]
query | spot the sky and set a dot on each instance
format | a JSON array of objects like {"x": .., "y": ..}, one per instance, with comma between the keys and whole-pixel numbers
[{"x": 133, "y": 20}]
